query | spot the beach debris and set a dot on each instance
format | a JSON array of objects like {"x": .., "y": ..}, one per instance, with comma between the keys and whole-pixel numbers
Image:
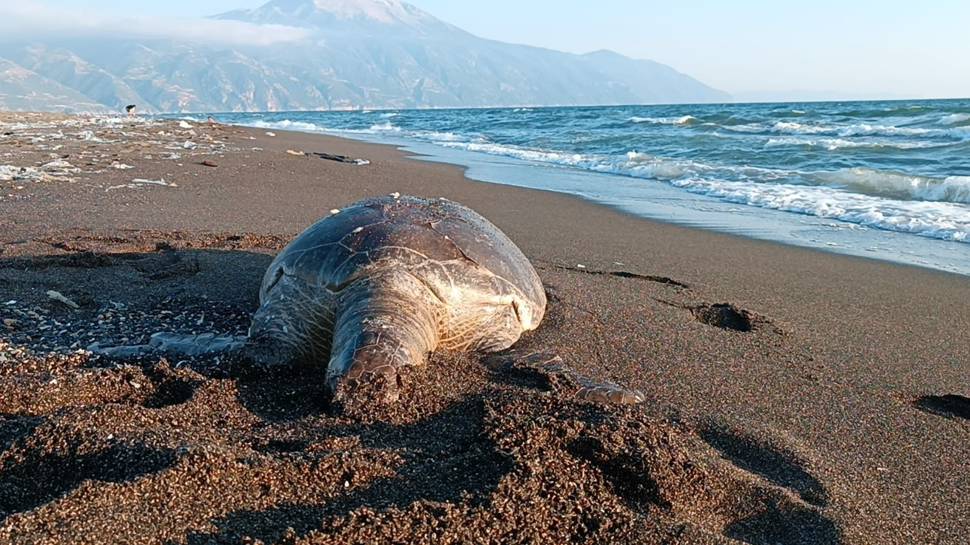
[
  {"x": 140, "y": 182},
  {"x": 208, "y": 163},
  {"x": 9, "y": 173},
  {"x": 59, "y": 167},
  {"x": 51, "y": 148},
  {"x": 54, "y": 169},
  {"x": 270, "y": 133},
  {"x": 341, "y": 158},
  {"x": 60, "y": 298},
  {"x": 87, "y": 136},
  {"x": 335, "y": 211},
  {"x": 396, "y": 195},
  {"x": 296, "y": 152}
]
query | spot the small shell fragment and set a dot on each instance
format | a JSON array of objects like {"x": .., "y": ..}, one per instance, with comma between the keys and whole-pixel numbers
[{"x": 59, "y": 297}]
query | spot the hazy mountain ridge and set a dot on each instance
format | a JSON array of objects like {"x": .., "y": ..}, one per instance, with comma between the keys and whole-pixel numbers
[{"x": 357, "y": 54}]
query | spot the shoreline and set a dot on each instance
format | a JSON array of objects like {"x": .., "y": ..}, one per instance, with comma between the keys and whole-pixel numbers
[
  {"x": 840, "y": 350},
  {"x": 414, "y": 150},
  {"x": 660, "y": 201}
]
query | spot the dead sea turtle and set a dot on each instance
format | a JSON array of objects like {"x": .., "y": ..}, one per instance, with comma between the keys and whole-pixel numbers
[{"x": 377, "y": 286}]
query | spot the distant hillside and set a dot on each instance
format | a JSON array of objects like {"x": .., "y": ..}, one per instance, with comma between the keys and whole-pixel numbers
[{"x": 349, "y": 54}]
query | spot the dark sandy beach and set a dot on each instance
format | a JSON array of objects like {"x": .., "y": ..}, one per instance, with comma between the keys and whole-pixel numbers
[{"x": 794, "y": 396}]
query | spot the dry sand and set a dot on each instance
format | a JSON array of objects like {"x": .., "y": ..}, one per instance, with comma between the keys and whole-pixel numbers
[{"x": 793, "y": 396}]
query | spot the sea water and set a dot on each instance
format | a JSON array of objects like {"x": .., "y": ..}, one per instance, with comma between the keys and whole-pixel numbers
[{"x": 889, "y": 180}]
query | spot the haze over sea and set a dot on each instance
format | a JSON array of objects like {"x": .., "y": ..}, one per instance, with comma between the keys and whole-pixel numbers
[{"x": 889, "y": 180}]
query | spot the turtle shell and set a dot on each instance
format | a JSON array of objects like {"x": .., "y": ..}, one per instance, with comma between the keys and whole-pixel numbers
[{"x": 411, "y": 233}]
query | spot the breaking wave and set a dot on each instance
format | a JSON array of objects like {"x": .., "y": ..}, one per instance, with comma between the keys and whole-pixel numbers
[{"x": 683, "y": 120}]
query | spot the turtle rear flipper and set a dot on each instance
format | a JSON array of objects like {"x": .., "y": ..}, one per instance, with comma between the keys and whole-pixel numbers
[
  {"x": 552, "y": 374},
  {"x": 386, "y": 324}
]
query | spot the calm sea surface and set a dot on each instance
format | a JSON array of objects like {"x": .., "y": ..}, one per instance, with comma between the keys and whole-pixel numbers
[{"x": 889, "y": 180}]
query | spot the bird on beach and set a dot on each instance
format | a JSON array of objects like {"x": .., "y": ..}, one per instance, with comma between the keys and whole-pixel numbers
[{"x": 130, "y": 109}]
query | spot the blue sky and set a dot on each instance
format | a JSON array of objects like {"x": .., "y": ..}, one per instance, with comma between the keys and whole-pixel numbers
[{"x": 751, "y": 48}]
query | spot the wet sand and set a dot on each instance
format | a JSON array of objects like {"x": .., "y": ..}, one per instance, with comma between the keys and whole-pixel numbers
[{"x": 793, "y": 396}]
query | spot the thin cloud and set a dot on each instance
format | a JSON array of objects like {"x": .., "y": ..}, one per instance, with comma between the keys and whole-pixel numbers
[{"x": 35, "y": 19}]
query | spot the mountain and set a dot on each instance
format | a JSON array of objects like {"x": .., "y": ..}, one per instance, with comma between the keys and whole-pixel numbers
[{"x": 338, "y": 54}]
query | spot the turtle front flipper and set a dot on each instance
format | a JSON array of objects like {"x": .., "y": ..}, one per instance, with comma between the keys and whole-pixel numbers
[
  {"x": 385, "y": 324},
  {"x": 549, "y": 370}
]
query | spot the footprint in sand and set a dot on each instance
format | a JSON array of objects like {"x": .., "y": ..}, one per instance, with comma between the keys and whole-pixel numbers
[
  {"x": 774, "y": 463},
  {"x": 950, "y": 405}
]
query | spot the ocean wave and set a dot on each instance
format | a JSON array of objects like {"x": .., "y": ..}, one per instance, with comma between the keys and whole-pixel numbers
[
  {"x": 956, "y": 119},
  {"x": 858, "y": 129},
  {"x": 870, "y": 182},
  {"x": 894, "y": 185},
  {"x": 924, "y": 206},
  {"x": 936, "y": 220},
  {"x": 833, "y": 144},
  {"x": 683, "y": 120},
  {"x": 384, "y": 127},
  {"x": 288, "y": 125}
]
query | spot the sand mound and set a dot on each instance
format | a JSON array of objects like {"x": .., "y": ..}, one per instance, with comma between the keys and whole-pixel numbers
[{"x": 191, "y": 458}]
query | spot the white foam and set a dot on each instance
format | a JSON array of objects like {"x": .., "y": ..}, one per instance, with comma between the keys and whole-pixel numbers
[
  {"x": 566, "y": 159},
  {"x": 683, "y": 120},
  {"x": 286, "y": 124},
  {"x": 833, "y": 144}
]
